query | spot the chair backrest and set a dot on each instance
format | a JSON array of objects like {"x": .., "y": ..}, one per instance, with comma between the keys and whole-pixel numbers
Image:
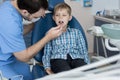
[{"x": 44, "y": 24}]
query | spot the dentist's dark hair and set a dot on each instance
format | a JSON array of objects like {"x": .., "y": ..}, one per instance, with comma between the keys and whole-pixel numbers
[{"x": 32, "y": 6}]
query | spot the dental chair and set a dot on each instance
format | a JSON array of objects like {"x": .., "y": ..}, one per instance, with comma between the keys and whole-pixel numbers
[{"x": 41, "y": 27}]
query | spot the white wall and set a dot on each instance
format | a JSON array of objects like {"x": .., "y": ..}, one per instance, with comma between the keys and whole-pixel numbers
[
  {"x": 104, "y": 4},
  {"x": 85, "y": 15}
]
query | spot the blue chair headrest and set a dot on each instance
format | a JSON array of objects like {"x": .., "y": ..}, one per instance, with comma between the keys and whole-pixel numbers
[{"x": 53, "y": 3}]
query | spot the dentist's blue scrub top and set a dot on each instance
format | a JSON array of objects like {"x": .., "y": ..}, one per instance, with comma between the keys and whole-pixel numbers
[{"x": 11, "y": 40}]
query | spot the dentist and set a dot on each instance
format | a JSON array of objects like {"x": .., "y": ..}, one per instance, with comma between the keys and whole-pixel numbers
[{"x": 13, "y": 52}]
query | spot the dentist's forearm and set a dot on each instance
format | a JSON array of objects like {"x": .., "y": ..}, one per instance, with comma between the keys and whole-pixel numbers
[{"x": 30, "y": 52}]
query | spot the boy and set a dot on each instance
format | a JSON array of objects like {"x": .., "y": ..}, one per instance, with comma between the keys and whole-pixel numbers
[{"x": 68, "y": 51}]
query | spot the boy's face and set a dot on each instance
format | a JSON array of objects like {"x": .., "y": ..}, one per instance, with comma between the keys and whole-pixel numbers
[{"x": 62, "y": 17}]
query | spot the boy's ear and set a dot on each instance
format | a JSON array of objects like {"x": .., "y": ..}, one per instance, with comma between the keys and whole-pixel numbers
[{"x": 70, "y": 18}]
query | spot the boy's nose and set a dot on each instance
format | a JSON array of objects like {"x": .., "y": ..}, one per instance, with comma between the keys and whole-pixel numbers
[{"x": 60, "y": 17}]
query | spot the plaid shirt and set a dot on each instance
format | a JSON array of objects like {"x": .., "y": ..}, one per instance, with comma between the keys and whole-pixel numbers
[{"x": 70, "y": 42}]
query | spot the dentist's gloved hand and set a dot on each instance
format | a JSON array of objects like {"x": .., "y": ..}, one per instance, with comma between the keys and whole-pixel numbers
[{"x": 26, "y": 22}]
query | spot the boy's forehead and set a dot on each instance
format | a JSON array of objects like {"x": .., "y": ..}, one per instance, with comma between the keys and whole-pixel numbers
[{"x": 61, "y": 9}]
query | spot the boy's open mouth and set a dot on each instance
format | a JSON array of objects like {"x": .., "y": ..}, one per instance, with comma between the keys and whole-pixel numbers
[{"x": 61, "y": 22}]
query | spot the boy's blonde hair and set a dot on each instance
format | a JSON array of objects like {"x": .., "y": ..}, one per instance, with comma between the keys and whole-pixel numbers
[{"x": 62, "y": 6}]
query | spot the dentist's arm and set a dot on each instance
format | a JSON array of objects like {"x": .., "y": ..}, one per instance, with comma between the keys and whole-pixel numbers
[{"x": 30, "y": 52}]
